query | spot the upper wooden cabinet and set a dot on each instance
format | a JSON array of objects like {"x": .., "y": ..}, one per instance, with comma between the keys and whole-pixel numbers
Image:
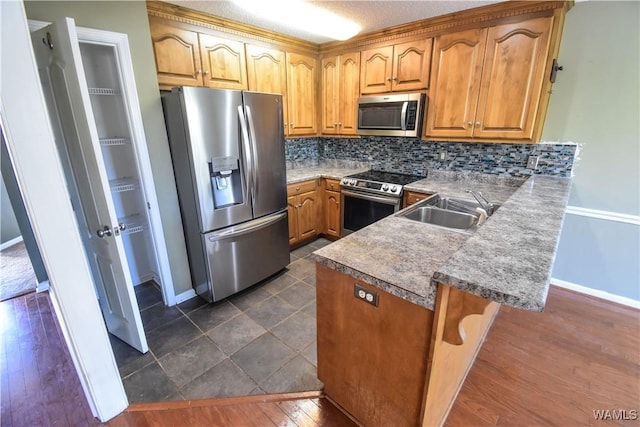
[
  {"x": 301, "y": 98},
  {"x": 400, "y": 67},
  {"x": 487, "y": 83},
  {"x": 189, "y": 58},
  {"x": 340, "y": 90}
]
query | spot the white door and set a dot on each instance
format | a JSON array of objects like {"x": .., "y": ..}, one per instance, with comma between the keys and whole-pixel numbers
[{"x": 60, "y": 66}]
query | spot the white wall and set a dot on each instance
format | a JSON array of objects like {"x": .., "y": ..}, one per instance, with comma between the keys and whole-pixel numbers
[
  {"x": 596, "y": 102},
  {"x": 130, "y": 17}
]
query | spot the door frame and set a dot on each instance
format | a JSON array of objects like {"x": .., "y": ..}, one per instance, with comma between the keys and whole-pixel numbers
[
  {"x": 120, "y": 42},
  {"x": 25, "y": 122}
]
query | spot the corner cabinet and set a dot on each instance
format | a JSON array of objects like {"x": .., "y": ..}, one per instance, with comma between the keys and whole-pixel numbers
[
  {"x": 189, "y": 58},
  {"x": 400, "y": 67},
  {"x": 340, "y": 90},
  {"x": 301, "y": 98},
  {"x": 497, "y": 75}
]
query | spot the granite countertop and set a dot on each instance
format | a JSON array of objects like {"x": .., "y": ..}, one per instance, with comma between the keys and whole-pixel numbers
[
  {"x": 325, "y": 169},
  {"x": 508, "y": 259}
]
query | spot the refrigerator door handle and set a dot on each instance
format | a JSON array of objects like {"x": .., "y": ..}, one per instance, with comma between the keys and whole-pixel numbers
[
  {"x": 253, "y": 153},
  {"x": 246, "y": 228},
  {"x": 246, "y": 144}
]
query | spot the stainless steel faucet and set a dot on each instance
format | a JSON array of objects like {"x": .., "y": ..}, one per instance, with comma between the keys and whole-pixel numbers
[{"x": 484, "y": 203}]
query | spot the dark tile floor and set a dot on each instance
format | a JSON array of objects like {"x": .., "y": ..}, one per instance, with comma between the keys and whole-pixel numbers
[{"x": 262, "y": 340}]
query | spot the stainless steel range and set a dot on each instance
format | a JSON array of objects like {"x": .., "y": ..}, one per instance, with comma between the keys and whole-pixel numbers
[{"x": 370, "y": 196}]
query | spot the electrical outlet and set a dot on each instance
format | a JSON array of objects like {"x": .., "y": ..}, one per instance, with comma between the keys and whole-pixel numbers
[
  {"x": 443, "y": 156},
  {"x": 365, "y": 294},
  {"x": 532, "y": 162}
]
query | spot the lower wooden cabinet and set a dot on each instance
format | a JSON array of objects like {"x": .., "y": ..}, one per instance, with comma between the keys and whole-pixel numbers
[
  {"x": 411, "y": 197},
  {"x": 372, "y": 359},
  {"x": 303, "y": 208},
  {"x": 332, "y": 212}
]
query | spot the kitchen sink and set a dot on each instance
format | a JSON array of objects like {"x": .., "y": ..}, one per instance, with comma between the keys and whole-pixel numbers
[{"x": 449, "y": 212}]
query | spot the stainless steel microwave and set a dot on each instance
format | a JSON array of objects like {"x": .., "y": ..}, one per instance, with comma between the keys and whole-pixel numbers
[{"x": 391, "y": 115}]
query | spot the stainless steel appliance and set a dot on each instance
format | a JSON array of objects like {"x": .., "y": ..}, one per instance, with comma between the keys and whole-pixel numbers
[
  {"x": 370, "y": 196},
  {"x": 227, "y": 149},
  {"x": 391, "y": 115}
]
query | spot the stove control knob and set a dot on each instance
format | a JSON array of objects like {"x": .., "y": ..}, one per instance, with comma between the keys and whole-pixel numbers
[
  {"x": 354, "y": 181},
  {"x": 385, "y": 187},
  {"x": 393, "y": 188}
]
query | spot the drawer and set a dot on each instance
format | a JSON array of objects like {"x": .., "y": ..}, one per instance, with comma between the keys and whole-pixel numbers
[
  {"x": 301, "y": 187},
  {"x": 331, "y": 184}
]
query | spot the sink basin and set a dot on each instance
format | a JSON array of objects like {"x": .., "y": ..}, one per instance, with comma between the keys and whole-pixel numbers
[
  {"x": 449, "y": 212},
  {"x": 443, "y": 217}
]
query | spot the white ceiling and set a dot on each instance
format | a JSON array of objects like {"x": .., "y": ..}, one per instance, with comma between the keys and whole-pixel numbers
[{"x": 372, "y": 15}]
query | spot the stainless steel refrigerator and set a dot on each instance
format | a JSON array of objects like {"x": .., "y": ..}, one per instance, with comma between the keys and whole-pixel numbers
[{"x": 227, "y": 148}]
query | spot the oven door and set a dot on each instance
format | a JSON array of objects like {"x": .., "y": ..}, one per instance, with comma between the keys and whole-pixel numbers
[{"x": 360, "y": 209}]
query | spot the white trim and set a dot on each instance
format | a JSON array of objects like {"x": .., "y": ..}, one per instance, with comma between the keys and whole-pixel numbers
[
  {"x": 186, "y": 295},
  {"x": 43, "y": 286},
  {"x": 10, "y": 243},
  {"x": 605, "y": 215},
  {"x": 596, "y": 293}
]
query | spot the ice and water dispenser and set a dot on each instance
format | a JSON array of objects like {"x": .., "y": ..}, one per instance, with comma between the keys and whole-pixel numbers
[{"x": 226, "y": 182}]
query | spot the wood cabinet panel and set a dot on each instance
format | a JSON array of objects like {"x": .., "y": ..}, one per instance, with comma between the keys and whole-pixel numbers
[
  {"x": 340, "y": 91},
  {"x": 332, "y": 213},
  {"x": 487, "y": 83},
  {"x": 411, "y": 65},
  {"x": 376, "y": 71},
  {"x": 412, "y": 197},
  {"x": 372, "y": 360},
  {"x": 455, "y": 83},
  {"x": 177, "y": 55},
  {"x": 512, "y": 79},
  {"x": 301, "y": 98},
  {"x": 303, "y": 207},
  {"x": 223, "y": 63}
]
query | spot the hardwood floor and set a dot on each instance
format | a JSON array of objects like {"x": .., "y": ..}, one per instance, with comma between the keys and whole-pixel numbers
[{"x": 553, "y": 368}]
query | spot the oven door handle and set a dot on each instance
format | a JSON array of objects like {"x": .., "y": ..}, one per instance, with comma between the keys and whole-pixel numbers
[{"x": 367, "y": 196}]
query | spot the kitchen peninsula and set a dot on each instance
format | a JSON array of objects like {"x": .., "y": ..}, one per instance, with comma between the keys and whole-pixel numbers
[{"x": 403, "y": 307}]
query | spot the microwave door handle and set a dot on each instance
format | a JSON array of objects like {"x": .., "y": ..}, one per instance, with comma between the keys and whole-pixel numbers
[
  {"x": 248, "y": 169},
  {"x": 403, "y": 116}
]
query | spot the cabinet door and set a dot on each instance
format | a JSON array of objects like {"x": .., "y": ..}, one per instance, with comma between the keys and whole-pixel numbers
[
  {"x": 377, "y": 67},
  {"x": 349, "y": 92},
  {"x": 411, "y": 197},
  {"x": 455, "y": 83},
  {"x": 292, "y": 213},
  {"x": 308, "y": 214},
  {"x": 332, "y": 213},
  {"x": 330, "y": 95},
  {"x": 512, "y": 79},
  {"x": 411, "y": 65},
  {"x": 223, "y": 63},
  {"x": 301, "y": 88},
  {"x": 177, "y": 56},
  {"x": 267, "y": 72}
]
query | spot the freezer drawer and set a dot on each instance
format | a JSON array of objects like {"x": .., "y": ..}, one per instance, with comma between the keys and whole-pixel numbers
[{"x": 240, "y": 256}]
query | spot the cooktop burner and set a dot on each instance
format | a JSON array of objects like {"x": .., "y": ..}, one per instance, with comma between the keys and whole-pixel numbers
[{"x": 387, "y": 183}]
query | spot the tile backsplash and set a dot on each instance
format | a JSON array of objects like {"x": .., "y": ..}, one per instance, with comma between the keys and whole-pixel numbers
[{"x": 413, "y": 156}]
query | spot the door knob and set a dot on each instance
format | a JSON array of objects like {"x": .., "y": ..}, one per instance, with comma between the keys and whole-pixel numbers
[
  {"x": 122, "y": 226},
  {"x": 105, "y": 231}
]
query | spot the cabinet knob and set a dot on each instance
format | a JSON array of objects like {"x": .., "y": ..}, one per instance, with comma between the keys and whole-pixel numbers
[
  {"x": 199, "y": 72},
  {"x": 469, "y": 124},
  {"x": 297, "y": 188},
  {"x": 339, "y": 123},
  {"x": 388, "y": 79},
  {"x": 395, "y": 78},
  {"x": 477, "y": 124},
  {"x": 206, "y": 72}
]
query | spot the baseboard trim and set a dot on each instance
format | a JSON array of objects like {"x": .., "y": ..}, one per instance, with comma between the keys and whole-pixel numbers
[
  {"x": 43, "y": 286},
  {"x": 605, "y": 215},
  {"x": 186, "y": 295},
  {"x": 10, "y": 243},
  {"x": 596, "y": 293}
]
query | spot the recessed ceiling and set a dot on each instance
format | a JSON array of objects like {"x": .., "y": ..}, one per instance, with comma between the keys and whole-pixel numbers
[{"x": 371, "y": 15}]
